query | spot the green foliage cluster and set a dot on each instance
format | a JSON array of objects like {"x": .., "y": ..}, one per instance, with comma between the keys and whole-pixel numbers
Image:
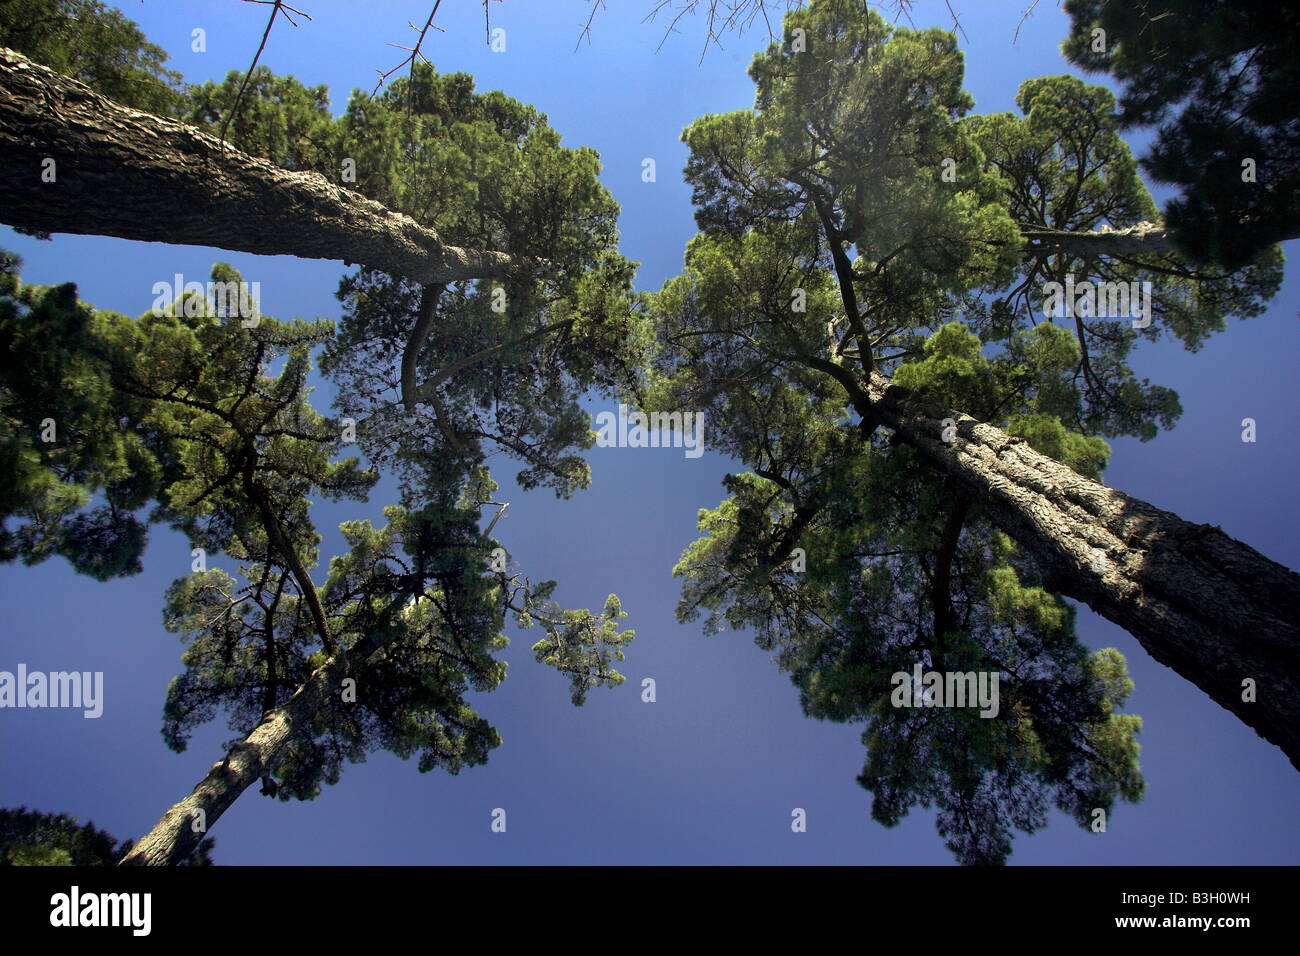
[
  {"x": 1063, "y": 166},
  {"x": 51, "y": 386},
  {"x": 232, "y": 456},
  {"x": 485, "y": 172},
  {"x": 32, "y": 838},
  {"x": 94, "y": 43}
]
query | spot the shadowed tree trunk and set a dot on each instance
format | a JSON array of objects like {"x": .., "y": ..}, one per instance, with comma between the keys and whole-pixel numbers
[
  {"x": 174, "y": 837},
  {"x": 1215, "y": 610},
  {"x": 119, "y": 172},
  {"x": 1135, "y": 240}
]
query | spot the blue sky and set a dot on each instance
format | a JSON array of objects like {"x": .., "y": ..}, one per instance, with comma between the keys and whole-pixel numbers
[{"x": 711, "y": 771}]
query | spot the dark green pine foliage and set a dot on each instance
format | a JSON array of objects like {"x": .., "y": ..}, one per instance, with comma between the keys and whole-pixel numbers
[
  {"x": 32, "y": 838},
  {"x": 278, "y": 118},
  {"x": 73, "y": 473},
  {"x": 94, "y": 43},
  {"x": 499, "y": 366},
  {"x": 232, "y": 456},
  {"x": 503, "y": 364},
  {"x": 1063, "y": 166},
  {"x": 1217, "y": 78},
  {"x": 894, "y": 568}
]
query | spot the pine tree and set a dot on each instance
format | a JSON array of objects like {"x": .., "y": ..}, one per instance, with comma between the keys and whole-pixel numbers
[
  {"x": 381, "y": 653},
  {"x": 870, "y": 260}
]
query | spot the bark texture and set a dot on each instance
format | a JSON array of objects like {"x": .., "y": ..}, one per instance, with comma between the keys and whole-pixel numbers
[
  {"x": 123, "y": 173},
  {"x": 1212, "y": 608}
]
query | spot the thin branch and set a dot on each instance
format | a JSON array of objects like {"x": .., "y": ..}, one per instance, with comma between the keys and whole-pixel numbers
[
  {"x": 956, "y": 22},
  {"x": 736, "y": 15},
  {"x": 497, "y": 517},
  {"x": 423, "y": 324},
  {"x": 487, "y": 23},
  {"x": 415, "y": 52},
  {"x": 586, "y": 30},
  {"x": 1028, "y": 11}
]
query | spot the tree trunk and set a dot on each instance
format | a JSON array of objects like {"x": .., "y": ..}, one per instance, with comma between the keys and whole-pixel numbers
[
  {"x": 175, "y": 836},
  {"x": 1215, "y": 610},
  {"x": 120, "y": 172},
  {"x": 1140, "y": 238},
  {"x": 1135, "y": 240}
]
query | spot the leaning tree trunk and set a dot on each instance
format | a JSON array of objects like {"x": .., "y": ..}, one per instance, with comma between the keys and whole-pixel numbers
[
  {"x": 1141, "y": 238},
  {"x": 1138, "y": 239},
  {"x": 119, "y": 172},
  {"x": 176, "y": 836},
  {"x": 1215, "y": 610}
]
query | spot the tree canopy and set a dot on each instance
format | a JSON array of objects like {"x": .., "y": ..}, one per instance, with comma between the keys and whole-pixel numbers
[
  {"x": 862, "y": 234},
  {"x": 95, "y": 44}
]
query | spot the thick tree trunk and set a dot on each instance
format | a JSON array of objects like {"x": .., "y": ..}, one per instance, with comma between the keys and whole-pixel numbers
[
  {"x": 120, "y": 172},
  {"x": 1140, "y": 238},
  {"x": 1215, "y": 610},
  {"x": 1135, "y": 240},
  {"x": 175, "y": 836}
]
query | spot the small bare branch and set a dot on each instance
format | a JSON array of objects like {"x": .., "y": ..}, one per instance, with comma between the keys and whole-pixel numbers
[
  {"x": 1023, "y": 18},
  {"x": 586, "y": 30},
  {"x": 487, "y": 22},
  {"x": 415, "y": 53}
]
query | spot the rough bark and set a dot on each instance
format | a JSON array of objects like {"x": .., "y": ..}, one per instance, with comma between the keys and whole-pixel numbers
[
  {"x": 1215, "y": 610},
  {"x": 123, "y": 173}
]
